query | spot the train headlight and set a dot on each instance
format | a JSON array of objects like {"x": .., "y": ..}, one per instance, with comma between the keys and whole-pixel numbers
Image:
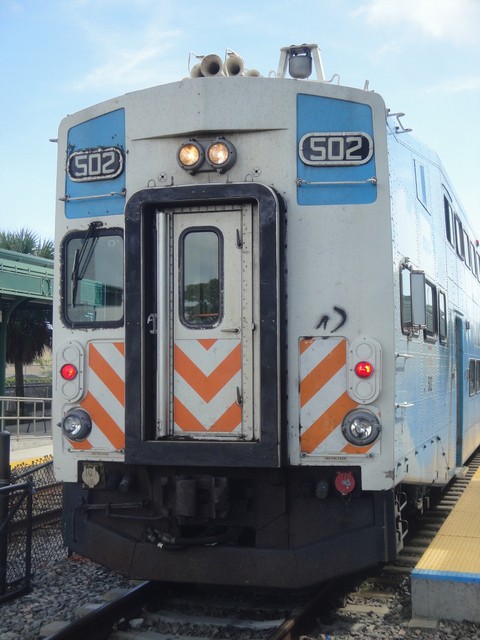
[
  {"x": 221, "y": 155},
  {"x": 361, "y": 427},
  {"x": 190, "y": 156},
  {"x": 77, "y": 424}
]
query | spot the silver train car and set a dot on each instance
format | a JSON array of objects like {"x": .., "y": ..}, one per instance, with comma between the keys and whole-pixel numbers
[{"x": 267, "y": 327}]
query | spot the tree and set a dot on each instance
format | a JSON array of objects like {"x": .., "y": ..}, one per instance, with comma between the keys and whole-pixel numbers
[
  {"x": 29, "y": 332},
  {"x": 26, "y": 241},
  {"x": 29, "y": 329},
  {"x": 202, "y": 302}
]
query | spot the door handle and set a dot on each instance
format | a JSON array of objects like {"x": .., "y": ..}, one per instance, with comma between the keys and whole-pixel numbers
[{"x": 152, "y": 319}]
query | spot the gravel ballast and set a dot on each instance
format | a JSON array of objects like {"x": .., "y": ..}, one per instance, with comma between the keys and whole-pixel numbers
[
  {"x": 62, "y": 587},
  {"x": 59, "y": 589}
]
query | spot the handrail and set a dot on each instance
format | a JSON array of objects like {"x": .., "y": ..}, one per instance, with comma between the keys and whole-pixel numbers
[{"x": 25, "y": 417}]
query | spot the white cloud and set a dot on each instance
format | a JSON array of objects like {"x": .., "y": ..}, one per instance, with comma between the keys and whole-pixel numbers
[
  {"x": 126, "y": 69},
  {"x": 392, "y": 47},
  {"x": 454, "y": 21},
  {"x": 456, "y": 85},
  {"x": 129, "y": 54},
  {"x": 123, "y": 43}
]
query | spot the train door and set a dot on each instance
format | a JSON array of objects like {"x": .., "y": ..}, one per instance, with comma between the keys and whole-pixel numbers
[
  {"x": 203, "y": 339},
  {"x": 206, "y": 323},
  {"x": 459, "y": 388}
]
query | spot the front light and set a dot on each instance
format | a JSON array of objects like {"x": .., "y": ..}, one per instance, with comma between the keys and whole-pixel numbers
[
  {"x": 69, "y": 372},
  {"x": 361, "y": 427},
  {"x": 190, "y": 156},
  {"x": 77, "y": 424},
  {"x": 221, "y": 155},
  {"x": 364, "y": 369}
]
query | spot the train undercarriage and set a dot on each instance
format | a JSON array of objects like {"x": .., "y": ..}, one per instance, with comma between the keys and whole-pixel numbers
[{"x": 286, "y": 528}]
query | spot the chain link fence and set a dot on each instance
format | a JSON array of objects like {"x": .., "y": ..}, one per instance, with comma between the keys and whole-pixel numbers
[{"x": 30, "y": 535}]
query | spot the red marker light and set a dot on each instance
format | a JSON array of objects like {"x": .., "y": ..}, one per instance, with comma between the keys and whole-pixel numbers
[
  {"x": 345, "y": 482},
  {"x": 364, "y": 369},
  {"x": 69, "y": 371}
]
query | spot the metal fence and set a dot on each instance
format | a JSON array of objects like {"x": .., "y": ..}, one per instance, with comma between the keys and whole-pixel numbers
[
  {"x": 30, "y": 530},
  {"x": 32, "y": 390},
  {"x": 26, "y": 416}
]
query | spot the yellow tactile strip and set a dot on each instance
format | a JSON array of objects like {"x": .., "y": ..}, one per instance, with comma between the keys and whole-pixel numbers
[
  {"x": 456, "y": 547},
  {"x": 29, "y": 462}
]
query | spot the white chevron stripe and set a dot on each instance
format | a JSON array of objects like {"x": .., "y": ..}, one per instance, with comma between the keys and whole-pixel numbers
[
  {"x": 99, "y": 441},
  {"x": 105, "y": 397},
  {"x": 113, "y": 356},
  {"x": 315, "y": 353},
  {"x": 323, "y": 399},
  {"x": 207, "y": 412},
  {"x": 207, "y": 360}
]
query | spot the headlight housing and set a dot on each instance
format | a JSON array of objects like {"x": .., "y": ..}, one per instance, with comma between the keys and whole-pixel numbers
[
  {"x": 221, "y": 155},
  {"x": 76, "y": 425},
  {"x": 190, "y": 156},
  {"x": 361, "y": 427}
]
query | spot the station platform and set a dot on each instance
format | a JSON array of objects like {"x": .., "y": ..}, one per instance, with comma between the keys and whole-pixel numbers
[
  {"x": 30, "y": 450},
  {"x": 446, "y": 580}
]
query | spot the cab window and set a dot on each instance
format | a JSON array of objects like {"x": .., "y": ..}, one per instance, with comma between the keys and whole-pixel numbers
[{"x": 92, "y": 278}]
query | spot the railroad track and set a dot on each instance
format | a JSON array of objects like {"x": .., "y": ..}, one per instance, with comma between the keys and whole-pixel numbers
[
  {"x": 206, "y": 613},
  {"x": 197, "y": 613}
]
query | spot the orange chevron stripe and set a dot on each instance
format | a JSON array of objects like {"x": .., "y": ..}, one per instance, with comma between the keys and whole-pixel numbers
[
  {"x": 81, "y": 446},
  {"x": 184, "y": 418},
  {"x": 207, "y": 343},
  {"x": 322, "y": 373},
  {"x": 107, "y": 374},
  {"x": 207, "y": 387},
  {"x": 104, "y": 421},
  {"x": 229, "y": 420},
  {"x": 350, "y": 448},
  {"x": 226, "y": 423},
  {"x": 121, "y": 347},
  {"x": 305, "y": 343},
  {"x": 326, "y": 423}
]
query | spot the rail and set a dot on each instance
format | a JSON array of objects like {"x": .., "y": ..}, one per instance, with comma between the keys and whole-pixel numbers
[
  {"x": 26, "y": 416},
  {"x": 196, "y": 617}
]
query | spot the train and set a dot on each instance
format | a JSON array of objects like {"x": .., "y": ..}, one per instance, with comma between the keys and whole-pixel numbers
[{"x": 266, "y": 327}]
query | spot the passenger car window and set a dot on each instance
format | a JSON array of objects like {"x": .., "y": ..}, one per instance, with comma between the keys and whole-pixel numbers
[
  {"x": 442, "y": 317},
  {"x": 431, "y": 311},
  {"x": 471, "y": 377}
]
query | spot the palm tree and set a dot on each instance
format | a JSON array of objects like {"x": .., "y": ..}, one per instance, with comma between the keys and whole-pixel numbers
[
  {"x": 28, "y": 334},
  {"x": 29, "y": 328},
  {"x": 26, "y": 241}
]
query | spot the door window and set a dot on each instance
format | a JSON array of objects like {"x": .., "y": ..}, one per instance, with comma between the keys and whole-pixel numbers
[{"x": 201, "y": 278}]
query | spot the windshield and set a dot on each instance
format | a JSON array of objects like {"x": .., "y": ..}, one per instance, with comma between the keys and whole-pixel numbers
[{"x": 93, "y": 277}]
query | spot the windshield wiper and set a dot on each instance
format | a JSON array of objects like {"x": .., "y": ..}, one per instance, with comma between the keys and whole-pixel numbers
[{"x": 82, "y": 258}]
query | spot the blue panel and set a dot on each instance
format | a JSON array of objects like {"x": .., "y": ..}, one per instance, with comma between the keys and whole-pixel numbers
[
  {"x": 445, "y": 576},
  {"x": 328, "y": 115},
  {"x": 105, "y": 131}
]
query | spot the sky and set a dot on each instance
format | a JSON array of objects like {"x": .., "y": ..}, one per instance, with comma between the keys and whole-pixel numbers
[{"x": 60, "y": 56}]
